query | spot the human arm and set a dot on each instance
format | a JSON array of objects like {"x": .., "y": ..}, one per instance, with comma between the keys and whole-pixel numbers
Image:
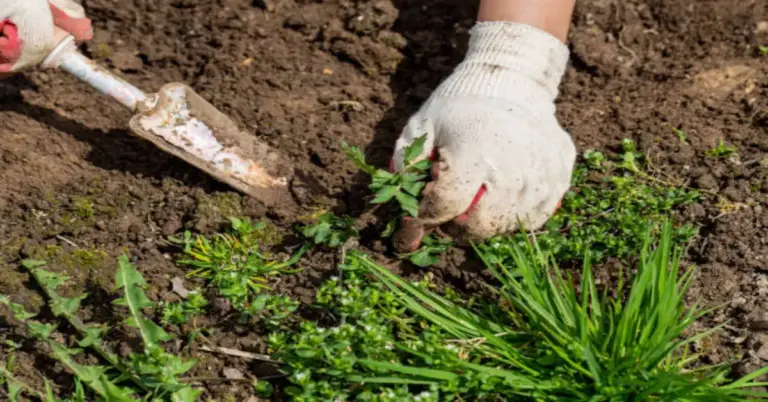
[
  {"x": 27, "y": 30},
  {"x": 502, "y": 158}
]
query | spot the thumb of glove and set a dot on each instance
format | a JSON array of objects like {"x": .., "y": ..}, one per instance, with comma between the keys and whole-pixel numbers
[{"x": 70, "y": 17}]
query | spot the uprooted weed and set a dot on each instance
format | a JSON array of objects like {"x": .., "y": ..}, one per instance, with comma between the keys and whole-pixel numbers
[{"x": 236, "y": 264}]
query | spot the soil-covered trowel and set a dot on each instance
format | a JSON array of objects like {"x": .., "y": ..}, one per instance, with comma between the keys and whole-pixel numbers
[{"x": 180, "y": 122}]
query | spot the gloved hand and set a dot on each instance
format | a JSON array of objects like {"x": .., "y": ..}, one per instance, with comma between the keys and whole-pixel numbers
[
  {"x": 27, "y": 30},
  {"x": 500, "y": 155}
]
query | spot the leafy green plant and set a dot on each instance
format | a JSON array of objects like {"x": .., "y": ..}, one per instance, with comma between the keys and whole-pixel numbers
[
  {"x": 722, "y": 150},
  {"x": 152, "y": 374},
  {"x": 763, "y": 50},
  {"x": 235, "y": 263},
  {"x": 431, "y": 247},
  {"x": 680, "y": 134},
  {"x": 613, "y": 201},
  {"x": 329, "y": 229},
  {"x": 562, "y": 345},
  {"x": 370, "y": 321},
  {"x": 404, "y": 186},
  {"x": 180, "y": 312},
  {"x": 272, "y": 310}
]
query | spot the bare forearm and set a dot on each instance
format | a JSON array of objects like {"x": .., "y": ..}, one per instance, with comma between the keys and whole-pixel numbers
[{"x": 552, "y": 16}]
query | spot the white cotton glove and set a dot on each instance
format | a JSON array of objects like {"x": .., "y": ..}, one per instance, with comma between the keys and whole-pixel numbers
[
  {"x": 501, "y": 155},
  {"x": 27, "y": 30}
]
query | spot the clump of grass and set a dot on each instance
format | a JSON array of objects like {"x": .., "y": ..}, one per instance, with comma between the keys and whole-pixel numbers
[
  {"x": 151, "y": 374},
  {"x": 236, "y": 264},
  {"x": 559, "y": 344},
  {"x": 613, "y": 201}
]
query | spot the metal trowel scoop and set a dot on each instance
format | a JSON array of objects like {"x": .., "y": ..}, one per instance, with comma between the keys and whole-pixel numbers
[{"x": 181, "y": 123}]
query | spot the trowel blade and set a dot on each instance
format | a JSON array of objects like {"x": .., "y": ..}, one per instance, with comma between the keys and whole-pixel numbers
[{"x": 185, "y": 125}]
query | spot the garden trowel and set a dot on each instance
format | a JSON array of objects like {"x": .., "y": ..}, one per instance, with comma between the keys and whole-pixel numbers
[{"x": 181, "y": 123}]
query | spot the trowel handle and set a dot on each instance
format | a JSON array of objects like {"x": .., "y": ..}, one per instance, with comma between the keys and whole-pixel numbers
[{"x": 66, "y": 57}]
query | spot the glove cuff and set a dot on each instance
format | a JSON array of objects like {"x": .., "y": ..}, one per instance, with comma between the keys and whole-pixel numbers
[{"x": 507, "y": 58}]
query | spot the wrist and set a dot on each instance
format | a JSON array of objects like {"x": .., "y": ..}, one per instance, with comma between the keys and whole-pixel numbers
[
  {"x": 551, "y": 16},
  {"x": 506, "y": 60}
]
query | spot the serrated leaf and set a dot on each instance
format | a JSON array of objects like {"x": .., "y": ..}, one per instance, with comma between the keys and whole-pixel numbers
[
  {"x": 186, "y": 394},
  {"x": 414, "y": 150},
  {"x": 49, "y": 280},
  {"x": 131, "y": 281},
  {"x": 385, "y": 194},
  {"x": 357, "y": 156},
  {"x": 382, "y": 179},
  {"x": 420, "y": 166},
  {"x": 18, "y": 310},
  {"x": 127, "y": 275},
  {"x": 319, "y": 232},
  {"x": 66, "y": 306},
  {"x": 414, "y": 188},
  {"x": 92, "y": 336},
  {"x": 408, "y": 203},
  {"x": 40, "y": 330}
]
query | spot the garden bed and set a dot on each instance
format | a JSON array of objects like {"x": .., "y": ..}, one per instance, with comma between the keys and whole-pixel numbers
[{"x": 77, "y": 190}]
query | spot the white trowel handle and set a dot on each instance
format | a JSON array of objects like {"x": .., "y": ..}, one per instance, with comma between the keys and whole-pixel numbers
[{"x": 66, "y": 57}]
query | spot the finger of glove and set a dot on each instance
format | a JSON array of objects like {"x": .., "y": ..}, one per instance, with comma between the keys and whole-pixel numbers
[
  {"x": 444, "y": 199},
  {"x": 70, "y": 17},
  {"x": 529, "y": 201},
  {"x": 416, "y": 128},
  {"x": 10, "y": 45},
  {"x": 34, "y": 25}
]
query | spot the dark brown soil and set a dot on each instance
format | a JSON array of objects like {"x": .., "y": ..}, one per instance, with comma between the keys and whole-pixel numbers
[{"x": 78, "y": 189}]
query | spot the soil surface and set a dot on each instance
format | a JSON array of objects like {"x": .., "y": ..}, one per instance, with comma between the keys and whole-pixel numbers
[{"x": 77, "y": 189}]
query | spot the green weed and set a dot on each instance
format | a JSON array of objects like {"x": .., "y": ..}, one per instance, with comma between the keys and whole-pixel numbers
[
  {"x": 612, "y": 203},
  {"x": 180, "y": 312},
  {"x": 558, "y": 344},
  {"x": 680, "y": 134},
  {"x": 763, "y": 50},
  {"x": 151, "y": 374},
  {"x": 238, "y": 267},
  {"x": 404, "y": 186},
  {"x": 722, "y": 150},
  {"x": 431, "y": 248},
  {"x": 329, "y": 229}
]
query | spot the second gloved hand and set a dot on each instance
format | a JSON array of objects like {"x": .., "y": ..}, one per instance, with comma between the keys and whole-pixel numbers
[
  {"x": 501, "y": 157},
  {"x": 27, "y": 30}
]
